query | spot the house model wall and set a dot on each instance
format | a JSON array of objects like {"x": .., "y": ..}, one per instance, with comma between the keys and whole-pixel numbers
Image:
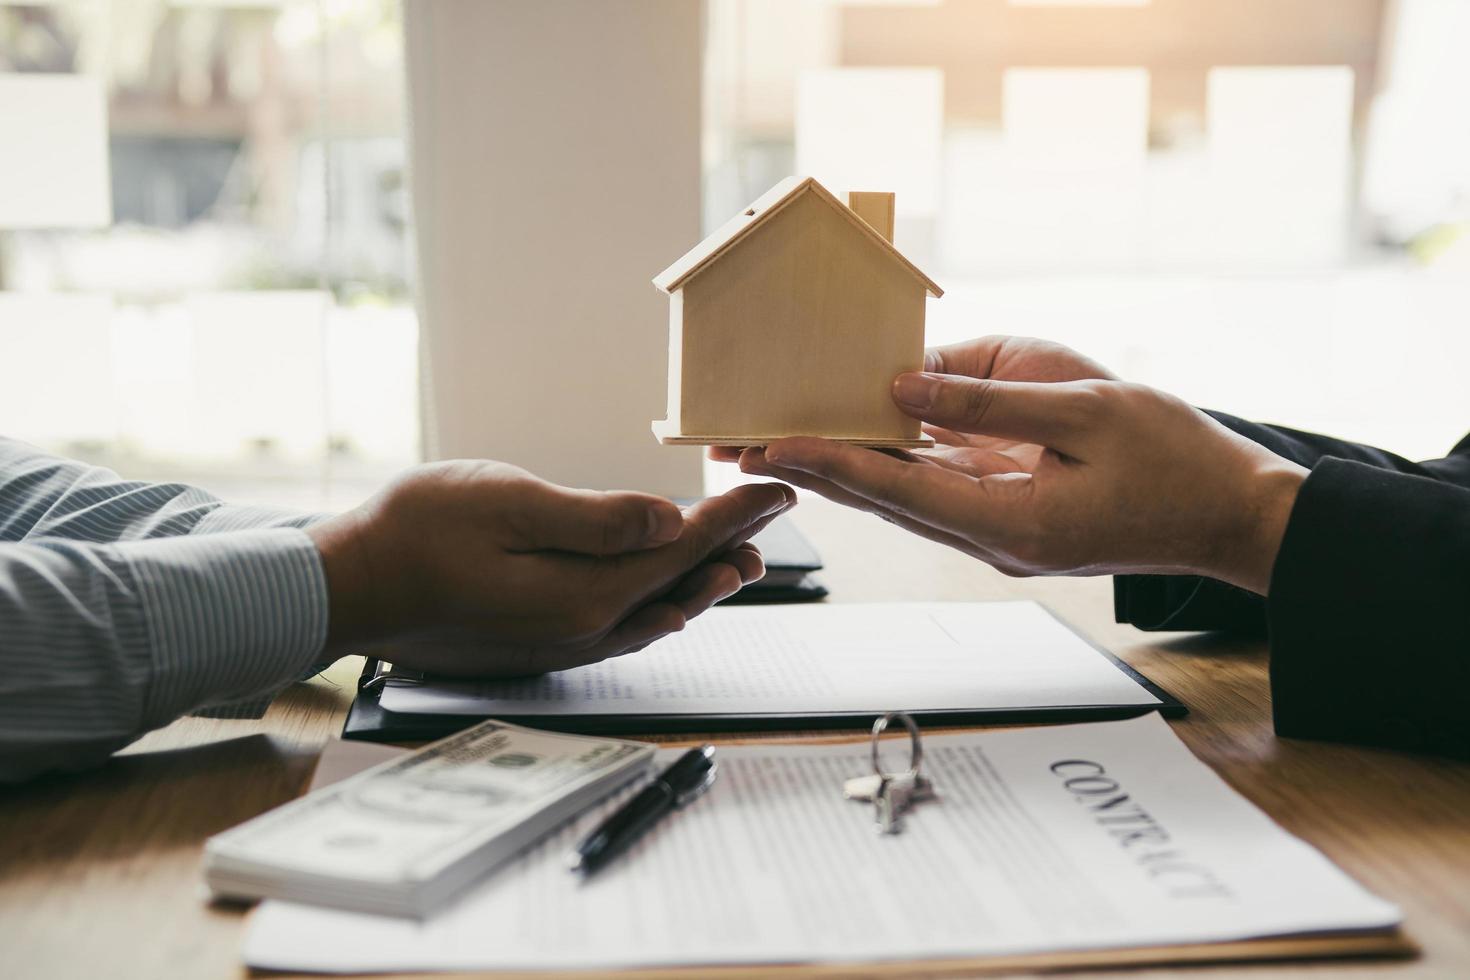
[{"x": 793, "y": 319}]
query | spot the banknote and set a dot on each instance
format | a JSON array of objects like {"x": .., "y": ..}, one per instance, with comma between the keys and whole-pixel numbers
[{"x": 404, "y": 836}]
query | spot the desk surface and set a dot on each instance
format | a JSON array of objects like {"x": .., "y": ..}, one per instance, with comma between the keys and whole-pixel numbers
[{"x": 100, "y": 872}]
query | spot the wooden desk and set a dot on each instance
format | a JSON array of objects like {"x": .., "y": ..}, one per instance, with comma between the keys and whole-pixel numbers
[{"x": 100, "y": 872}]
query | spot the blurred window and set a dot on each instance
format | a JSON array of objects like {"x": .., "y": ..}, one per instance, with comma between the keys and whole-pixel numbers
[
  {"x": 204, "y": 231},
  {"x": 1271, "y": 223},
  {"x": 203, "y": 241}
]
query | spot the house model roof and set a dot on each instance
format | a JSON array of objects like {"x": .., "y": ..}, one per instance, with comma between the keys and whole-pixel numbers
[{"x": 730, "y": 234}]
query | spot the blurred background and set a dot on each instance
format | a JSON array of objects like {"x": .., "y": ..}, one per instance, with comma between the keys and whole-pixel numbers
[
  {"x": 1262, "y": 205},
  {"x": 204, "y": 268}
]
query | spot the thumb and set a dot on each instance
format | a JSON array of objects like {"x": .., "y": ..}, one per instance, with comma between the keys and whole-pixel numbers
[
  {"x": 592, "y": 522},
  {"x": 1050, "y": 415}
]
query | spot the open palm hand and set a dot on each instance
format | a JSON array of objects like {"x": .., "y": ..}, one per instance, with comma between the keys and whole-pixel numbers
[{"x": 1001, "y": 358}]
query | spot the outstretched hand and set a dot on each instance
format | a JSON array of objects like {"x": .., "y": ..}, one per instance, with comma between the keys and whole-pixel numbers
[
  {"x": 1047, "y": 466},
  {"x": 481, "y": 569}
]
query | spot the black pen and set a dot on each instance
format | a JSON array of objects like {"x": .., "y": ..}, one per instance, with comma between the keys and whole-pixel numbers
[{"x": 690, "y": 775}]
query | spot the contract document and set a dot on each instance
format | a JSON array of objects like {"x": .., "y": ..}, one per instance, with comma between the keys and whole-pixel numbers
[
  {"x": 820, "y": 660},
  {"x": 1070, "y": 838}
]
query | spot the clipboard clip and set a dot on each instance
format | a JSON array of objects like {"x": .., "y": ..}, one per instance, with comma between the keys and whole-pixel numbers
[{"x": 377, "y": 673}]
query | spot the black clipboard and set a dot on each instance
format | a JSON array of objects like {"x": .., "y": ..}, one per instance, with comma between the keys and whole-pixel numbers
[{"x": 368, "y": 721}]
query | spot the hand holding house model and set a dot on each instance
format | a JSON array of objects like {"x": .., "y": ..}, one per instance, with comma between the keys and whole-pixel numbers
[{"x": 793, "y": 319}]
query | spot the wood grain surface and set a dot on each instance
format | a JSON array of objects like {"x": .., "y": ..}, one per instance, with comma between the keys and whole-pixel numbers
[
  {"x": 100, "y": 871},
  {"x": 800, "y": 330}
]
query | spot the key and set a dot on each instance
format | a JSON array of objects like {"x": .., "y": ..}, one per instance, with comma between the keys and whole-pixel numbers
[
  {"x": 892, "y": 801},
  {"x": 865, "y": 788},
  {"x": 892, "y": 794}
]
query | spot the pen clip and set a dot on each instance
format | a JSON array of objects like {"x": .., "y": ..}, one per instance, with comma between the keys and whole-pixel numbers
[{"x": 693, "y": 793}]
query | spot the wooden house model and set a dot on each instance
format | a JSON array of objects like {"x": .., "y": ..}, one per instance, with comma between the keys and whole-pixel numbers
[{"x": 793, "y": 319}]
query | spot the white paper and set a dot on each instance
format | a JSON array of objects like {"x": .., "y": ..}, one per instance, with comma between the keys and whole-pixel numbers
[
  {"x": 839, "y": 658},
  {"x": 1043, "y": 839}
]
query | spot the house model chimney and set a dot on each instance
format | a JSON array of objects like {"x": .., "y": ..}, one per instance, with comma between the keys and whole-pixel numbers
[{"x": 874, "y": 207}]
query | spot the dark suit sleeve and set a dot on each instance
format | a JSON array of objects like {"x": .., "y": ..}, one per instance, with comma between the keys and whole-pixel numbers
[
  {"x": 1369, "y": 615},
  {"x": 1168, "y": 602}
]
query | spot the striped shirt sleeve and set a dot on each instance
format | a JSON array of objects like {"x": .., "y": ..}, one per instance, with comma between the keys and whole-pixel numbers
[
  {"x": 124, "y": 605},
  {"x": 43, "y": 496}
]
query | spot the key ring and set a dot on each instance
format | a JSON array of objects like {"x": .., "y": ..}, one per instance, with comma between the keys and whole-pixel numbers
[{"x": 916, "y": 748}]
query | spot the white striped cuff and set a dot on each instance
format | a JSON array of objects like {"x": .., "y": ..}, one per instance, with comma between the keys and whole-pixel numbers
[{"x": 230, "y": 616}]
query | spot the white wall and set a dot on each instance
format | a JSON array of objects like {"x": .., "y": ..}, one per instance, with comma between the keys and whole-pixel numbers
[{"x": 555, "y": 166}]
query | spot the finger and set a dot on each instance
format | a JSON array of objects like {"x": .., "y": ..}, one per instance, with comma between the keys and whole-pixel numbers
[
  {"x": 630, "y": 581},
  {"x": 1052, "y": 414},
  {"x": 721, "y": 523},
  {"x": 827, "y": 489},
  {"x": 946, "y": 437},
  {"x": 754, "y": 462},
  {"x": 703, "y": 587},
  {"x": 949, "y": 437},
  {"x": 902, "y": 455},
  {"x": 712, "y": 526},
  {"x": 847, "y": 498},
  {"x": 973, "y": 462},
  {"x": 725, "y": 454},
  {"x": 746, "y": 559},
  {"x": 972, "y": 358},
  {"x": 1000, "y": 356},
  {"x": 592, "y": 522},
  {"x": 933, "y": 495}
]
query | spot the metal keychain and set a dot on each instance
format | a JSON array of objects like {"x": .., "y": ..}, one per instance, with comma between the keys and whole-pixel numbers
[{"x": 892, "y": 794}]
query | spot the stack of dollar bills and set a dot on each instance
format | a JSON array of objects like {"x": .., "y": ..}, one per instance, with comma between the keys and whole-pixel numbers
[{"x": 405, "y": 837}]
